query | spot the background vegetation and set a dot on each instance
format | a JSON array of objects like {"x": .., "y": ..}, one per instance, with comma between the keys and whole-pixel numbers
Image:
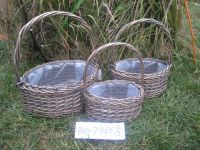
[
  {"x": 105, "y": 17},
  {"x": 169, "y": 122}
]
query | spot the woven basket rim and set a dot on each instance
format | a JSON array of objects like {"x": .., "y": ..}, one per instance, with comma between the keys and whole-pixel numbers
[
  {"x": 141, "y": 91},
  {"x": 78, "y": 83},
  {"x": 167, "y": 68}
]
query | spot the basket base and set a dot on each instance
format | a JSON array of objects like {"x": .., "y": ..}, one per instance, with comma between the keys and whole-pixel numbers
[
  {"x": 53, "y": 105},
  {"x": 53, "y": 115}
]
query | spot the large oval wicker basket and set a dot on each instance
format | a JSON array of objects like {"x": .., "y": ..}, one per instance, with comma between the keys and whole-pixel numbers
[
  {"x": 156, "y": 71},
  {"x": 113, "y": 100},
  {"x": 54, "y": 89}
]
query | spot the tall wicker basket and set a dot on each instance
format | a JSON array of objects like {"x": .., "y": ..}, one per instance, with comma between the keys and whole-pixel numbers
[
  {"x": 51, "y": 89},
  {"x": 113, "y": 100},
  {"x": 155, "y": 82}
]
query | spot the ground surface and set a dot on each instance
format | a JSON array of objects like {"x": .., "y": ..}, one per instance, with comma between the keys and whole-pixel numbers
[{"x": 169, "y": 122}]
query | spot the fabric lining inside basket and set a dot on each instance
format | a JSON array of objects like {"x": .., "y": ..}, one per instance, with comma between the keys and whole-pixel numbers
[
  {"x": 58, "y": 73},
  {"x": 116, "y": 89},
  {"x": 134, "y": 66}
]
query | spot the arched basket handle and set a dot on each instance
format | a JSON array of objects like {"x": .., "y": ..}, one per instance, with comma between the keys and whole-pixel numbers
[
  {"x": 26, "y": 28},
  {"x": 107, "y": 46},
  {"x": 144, "y": 20}
]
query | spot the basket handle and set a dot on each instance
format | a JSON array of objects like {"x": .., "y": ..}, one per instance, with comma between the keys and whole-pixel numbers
[
  {"x": 106, "y": 46},
  {"x": 26, "y": 28},
  {"x": 144, "y": 20}
]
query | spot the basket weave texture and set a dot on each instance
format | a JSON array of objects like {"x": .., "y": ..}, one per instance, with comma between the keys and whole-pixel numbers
[
  {"x": 154, "y": 83},
  {"x": 52, "y": 100},
  {"x": 112, "y": 103}
]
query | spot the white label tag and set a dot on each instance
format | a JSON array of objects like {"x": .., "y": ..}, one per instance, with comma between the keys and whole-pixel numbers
[
  {"x": 101, "y": 131},
  {"x": 99, "y": 74}
]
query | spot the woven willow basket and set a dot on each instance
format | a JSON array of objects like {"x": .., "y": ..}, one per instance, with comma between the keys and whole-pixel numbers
[
  {"x": 54, "y": 89},
  {"x": 113, "y": 100},
  {"x": 156, "y": 71}
]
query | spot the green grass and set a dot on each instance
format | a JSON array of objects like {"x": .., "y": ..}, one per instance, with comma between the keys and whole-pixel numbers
[{"x": 169, "y": 122}]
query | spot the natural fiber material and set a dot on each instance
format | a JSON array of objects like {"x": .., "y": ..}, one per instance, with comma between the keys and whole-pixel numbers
[
  {"x": 113, "y": 100},
  {"x": 121, "y": 101},
  {"x": 54, "y": 89},
  {"x": 155, "y": 83}
]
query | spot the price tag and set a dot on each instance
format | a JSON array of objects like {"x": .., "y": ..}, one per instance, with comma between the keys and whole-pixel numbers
[{"x": 100, "y": 131}]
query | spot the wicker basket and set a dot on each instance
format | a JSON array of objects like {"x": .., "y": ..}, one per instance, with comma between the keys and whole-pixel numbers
[
  {"x": 156, "y": 72},
  {"x": 113, "y": 100},
  {"x": 54, "y": 89}
]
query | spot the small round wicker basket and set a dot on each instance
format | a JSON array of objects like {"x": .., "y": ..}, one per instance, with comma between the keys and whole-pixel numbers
[
  {"x": 113, "y": 100},
  {"x": 54, "y": 89},
  {"x": 156, "y": 72}
]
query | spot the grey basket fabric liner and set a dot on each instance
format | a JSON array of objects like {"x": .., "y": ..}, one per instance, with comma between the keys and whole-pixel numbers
[
  {"x": 58, "y": 73},
  {"x": 134, "y": 66},
  {"x": 116, "y": 89}
]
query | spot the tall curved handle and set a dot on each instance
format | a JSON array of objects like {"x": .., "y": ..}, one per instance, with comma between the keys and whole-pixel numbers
[
  {"x": 26, "y": 28},
  {"x": 144, "y": 20},
  {"x": 106, "y": 46}
]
